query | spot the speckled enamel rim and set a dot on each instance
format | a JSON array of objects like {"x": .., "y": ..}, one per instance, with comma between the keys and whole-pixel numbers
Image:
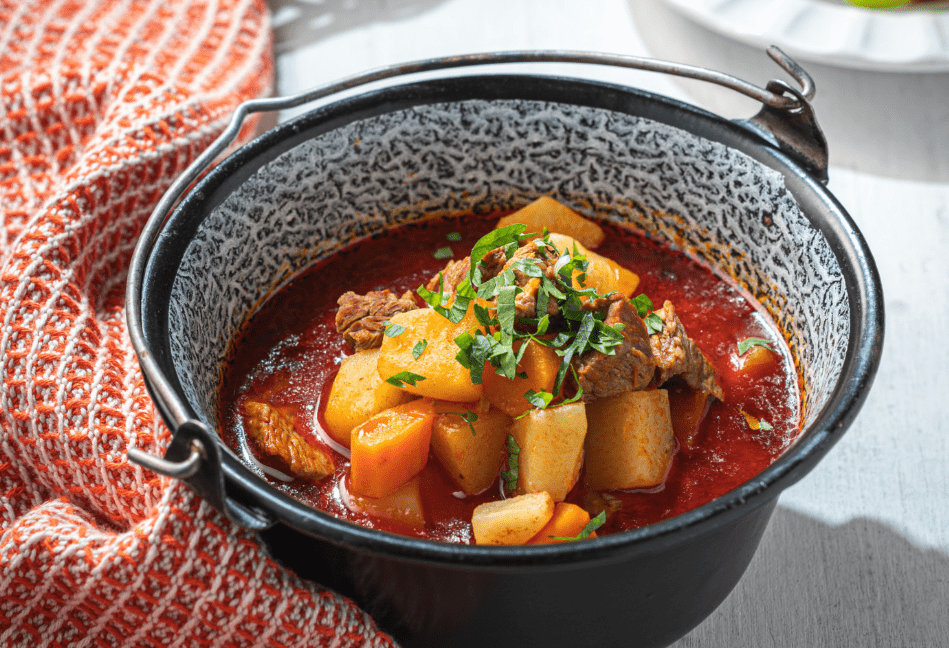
[{"x": 862, "y": 287}]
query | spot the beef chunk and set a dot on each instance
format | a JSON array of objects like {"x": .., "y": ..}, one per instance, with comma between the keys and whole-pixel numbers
[
  {"x": 525, "y": 303},
  {"x": 449, "y": 278},
  {"x": 456, "y": 271},
  {"x": 492, "y": 264},
  {"x": 677, "y": 355},
  {"x": 361, "y": 318},
  {"x": 629, "y": 367},
  {"x": 273, "y": 431}
]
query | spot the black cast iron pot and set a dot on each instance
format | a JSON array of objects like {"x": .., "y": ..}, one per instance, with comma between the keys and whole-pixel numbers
[{"x": 746, "y": 197}]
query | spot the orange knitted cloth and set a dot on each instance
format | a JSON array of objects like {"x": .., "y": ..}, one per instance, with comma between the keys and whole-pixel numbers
[{"x": 104, "y": 102}]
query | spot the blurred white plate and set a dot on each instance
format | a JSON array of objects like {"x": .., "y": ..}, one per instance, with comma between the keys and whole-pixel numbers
[
  {"x": 882, "y": 76},
  {"x": 833, "y": 31}
]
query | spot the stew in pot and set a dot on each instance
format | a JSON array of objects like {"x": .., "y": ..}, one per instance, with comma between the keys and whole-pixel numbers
[{"x": 526, "y": 377}]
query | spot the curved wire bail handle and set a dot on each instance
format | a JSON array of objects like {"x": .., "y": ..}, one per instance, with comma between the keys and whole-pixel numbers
[{"x": 176, "y": 469}]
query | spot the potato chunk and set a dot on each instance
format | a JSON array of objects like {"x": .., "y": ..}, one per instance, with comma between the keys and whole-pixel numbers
[
  {"x": 540, "y": 363},
  {"x": 471, "y": 460},
  {"x": 444, "y": 377},
  {"x": 391, "y": 448},
  {"x": 556, "y": 217},
  {"x": 629, "y": 443},
  {"x": 512, "y": 521},
  {"x": 403, "y": 506},
  {"x": 551, "y": 443},
  {"x": 359, "y": 393},
  {"x": 603, "y": 274}
]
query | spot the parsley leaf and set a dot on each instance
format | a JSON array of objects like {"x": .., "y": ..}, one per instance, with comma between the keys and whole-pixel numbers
[
  {"x": 579, "y": 393},
  {"x": 468, "y": 417},
  {"x": 474, "y": 353},
  {"x": 540, "y": 399},
  {"x": 419, "y": 348},
  {"x": 406, "y": 377},
  {"x": 458, "y": 309},
  {"x": 506, "y": 311},
  {"x": 591, "y": 526},
  {"x": 746, "y": 344},
  {"x": 642, "y": 304},
  {"x": 453, "y": 236},
  {"x": 443, "y": 253},
  {"x": 493, "y": 239},
  {"x": 393, "y": 329},
  {"x": 654, "y": 324},
  {"x": 509, "y": 476}
]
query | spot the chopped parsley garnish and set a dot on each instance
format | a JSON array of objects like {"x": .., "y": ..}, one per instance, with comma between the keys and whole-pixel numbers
[
  {"x": 419, "y": 348},
  {"x": 468, "y": 417},
  {"x": 543, "y": 399},
  {"x": 501, "y": 336},
  {"x": 498, "y": 336},
  {"x": 406, "y": 377},
  {"x": 654, "y": 324},
  {"x": 392, "y": 329},
  {"x": 453, "y": 236},
  {"x": 642, "y": 304},
  {"x": 509, "y": 476},
  {"x": 747, "y": 343},
  {"x": 502, "y": 236},
  {"x": 453, "y": 314},
  {"x": 540, "y": 399},
  {"x": 443, "y": 253},
  {"x": 591, "y": 526}
]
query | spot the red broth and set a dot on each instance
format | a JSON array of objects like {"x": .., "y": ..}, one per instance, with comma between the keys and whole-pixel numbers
[{"x": 289, "y": 352}]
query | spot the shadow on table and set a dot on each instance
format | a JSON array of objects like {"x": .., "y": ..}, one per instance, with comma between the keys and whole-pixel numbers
[
  {"x": 812, "y": 584},
  {"x": 302, "y": 22}
]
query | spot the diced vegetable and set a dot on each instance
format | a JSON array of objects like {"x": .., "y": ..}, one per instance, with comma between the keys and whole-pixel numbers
[
  {"x": 630, "y": 440},
  {"x": 754, "y": 423},
  {"x": 547, "y": 212},
  {"x": 441, "y": 375},
  {"x": 512, "y": 521},
  {"x": 602, "y": 274},
  {"x": 687, "y": 407},
  {"x": 471, "y": 455},
  {"x": 391, "y": 448},
  {"x": 551, "y": 443},
  {"x": 274, "y": 433},
  {"x": 757, "y": 361},
  {"x": 567, "y": 522},
  {"x": 403, "y": 506},
  {"x": 358, "y": 392},
  {"x": 539, "y": 363}
]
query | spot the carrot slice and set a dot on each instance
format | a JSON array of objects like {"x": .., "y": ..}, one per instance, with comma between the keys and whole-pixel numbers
[
  {"x": 539, "y": 363},
  {"x": 568, "y": 521},
  {"x": 390, "y": 448},
  {"x": 757, "y": 361}
]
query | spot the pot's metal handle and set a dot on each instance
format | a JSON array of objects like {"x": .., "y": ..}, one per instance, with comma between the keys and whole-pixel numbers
[
  {"x": 195, "y": 458},
  {"x": 786, "y": 120}
]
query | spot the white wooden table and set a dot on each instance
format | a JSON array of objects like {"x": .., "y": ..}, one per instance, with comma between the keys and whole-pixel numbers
[{"x": 857, "y": 554}]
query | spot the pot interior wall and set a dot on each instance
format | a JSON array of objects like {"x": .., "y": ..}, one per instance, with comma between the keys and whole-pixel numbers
[{"x": 725, "y": 208}]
